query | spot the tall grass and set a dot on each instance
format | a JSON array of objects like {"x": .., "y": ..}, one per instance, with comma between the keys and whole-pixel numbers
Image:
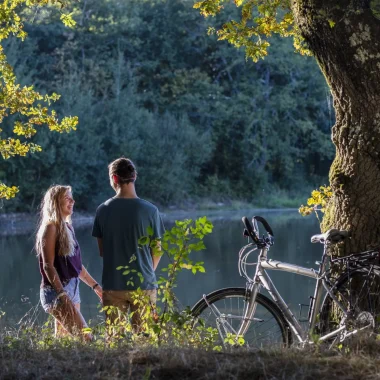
[{"x": 31, "y": 353}]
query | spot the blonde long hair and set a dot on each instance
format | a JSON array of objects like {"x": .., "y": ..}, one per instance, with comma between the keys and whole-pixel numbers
[{"x": 51, "y": 213}]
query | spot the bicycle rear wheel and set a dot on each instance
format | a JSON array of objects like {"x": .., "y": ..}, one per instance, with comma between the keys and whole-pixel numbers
[
  {"x": 359, "y": 293},
  {"x": 267, "y": 329}
]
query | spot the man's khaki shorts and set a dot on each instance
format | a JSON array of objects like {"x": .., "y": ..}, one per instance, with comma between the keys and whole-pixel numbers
[{"x": 123, "y": 299}]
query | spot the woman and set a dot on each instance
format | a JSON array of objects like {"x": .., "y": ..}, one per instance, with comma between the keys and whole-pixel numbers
[{"x": 61, "y": 264}]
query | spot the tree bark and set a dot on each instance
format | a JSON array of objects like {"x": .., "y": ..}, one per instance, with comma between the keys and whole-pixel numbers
[{"x": 344, "y": 36}]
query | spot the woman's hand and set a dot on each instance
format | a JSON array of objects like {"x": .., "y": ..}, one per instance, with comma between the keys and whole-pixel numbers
[
  {"x": 87, "y": 279},
  {"x": 99, "y": 292}
]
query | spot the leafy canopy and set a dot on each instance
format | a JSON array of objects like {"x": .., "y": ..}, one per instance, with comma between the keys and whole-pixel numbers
[
  {"x": 260, "y": 19},
  {"x": 232, "y": 129},
  {"x": 29, "y": 108}
]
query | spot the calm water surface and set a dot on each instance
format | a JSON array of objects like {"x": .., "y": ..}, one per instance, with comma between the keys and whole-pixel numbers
[{"x": 20, "y": 278}]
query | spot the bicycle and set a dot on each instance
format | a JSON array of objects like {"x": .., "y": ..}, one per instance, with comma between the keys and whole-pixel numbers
[{"x": 340, "y": 307}]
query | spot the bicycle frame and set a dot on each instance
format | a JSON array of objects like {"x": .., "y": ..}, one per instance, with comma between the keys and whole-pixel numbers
[{"x": 261, "y": 278}]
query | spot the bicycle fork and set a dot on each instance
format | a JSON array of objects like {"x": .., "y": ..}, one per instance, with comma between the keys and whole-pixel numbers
[{"x": 249, "y": 309}]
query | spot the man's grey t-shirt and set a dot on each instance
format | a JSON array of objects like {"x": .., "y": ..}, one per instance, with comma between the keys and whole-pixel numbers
[{"x": 120, "y": 222}]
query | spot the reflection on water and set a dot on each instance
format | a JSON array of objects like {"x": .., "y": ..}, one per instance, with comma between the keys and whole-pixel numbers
[{"x": 20, "y": 278}]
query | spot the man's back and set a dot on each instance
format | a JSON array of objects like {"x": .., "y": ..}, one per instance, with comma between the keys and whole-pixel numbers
[{"x": 120, "y": 222}]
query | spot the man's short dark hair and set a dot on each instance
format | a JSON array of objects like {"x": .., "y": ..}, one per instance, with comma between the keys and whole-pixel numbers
[{"x": 124, "y": 169}]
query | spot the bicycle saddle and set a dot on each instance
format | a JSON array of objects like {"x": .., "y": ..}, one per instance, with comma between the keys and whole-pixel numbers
[{"x": 332, "y": 236}]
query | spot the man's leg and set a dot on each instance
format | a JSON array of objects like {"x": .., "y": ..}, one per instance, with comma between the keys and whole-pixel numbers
[
  {"x": 116, "y": 311},
  {"x": 139, "y": 308}
]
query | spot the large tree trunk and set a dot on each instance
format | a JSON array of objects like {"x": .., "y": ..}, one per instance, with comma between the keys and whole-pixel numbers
[{"x": 348, "y": 53}]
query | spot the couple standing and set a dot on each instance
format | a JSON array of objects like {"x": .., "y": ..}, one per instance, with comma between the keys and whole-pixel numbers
[{"x": 118, "y": 225}]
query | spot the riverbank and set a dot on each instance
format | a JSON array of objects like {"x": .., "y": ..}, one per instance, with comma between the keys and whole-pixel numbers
[
  {"x": 22, "y": 361},
  {"x": 23, "y": 223}
]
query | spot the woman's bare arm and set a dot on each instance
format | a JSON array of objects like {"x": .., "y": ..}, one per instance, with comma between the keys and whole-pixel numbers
[
  {"x": 89, "y": 280},
  {"x": 48, "y": 256}
]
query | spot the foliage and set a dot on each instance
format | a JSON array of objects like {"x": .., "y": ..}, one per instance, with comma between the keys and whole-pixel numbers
[
  {"x": 172, "y": 325},
  {"x": 375, "y": 7},
  {"x": 233, "y": 340},
  {"x": 8, "y": 192},
  {"x": 260, "y": 19},
  {"x": 30, "y": 107},
  {"x": 197, "y": 119},
  {"x": 317, "y": 202}
]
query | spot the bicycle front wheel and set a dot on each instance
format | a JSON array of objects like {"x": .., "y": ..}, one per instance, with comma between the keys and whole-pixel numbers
[
  {"x": 224, "y": 311},
  {"x": 358, "y": 292}
]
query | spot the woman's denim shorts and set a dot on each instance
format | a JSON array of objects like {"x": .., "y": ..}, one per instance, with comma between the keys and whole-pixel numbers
[{"x": 48, "y": 295}]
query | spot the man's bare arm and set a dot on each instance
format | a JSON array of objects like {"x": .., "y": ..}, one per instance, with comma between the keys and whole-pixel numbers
[
  {"x": 100, "y": 246},
  {"x": 156, "y": 254}
]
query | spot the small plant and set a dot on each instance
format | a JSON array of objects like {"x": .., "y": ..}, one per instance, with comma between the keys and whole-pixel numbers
[
  {"x": 132, "y": 272},
  {"x": 234, "y": 341},
  {"x": 317, "y": 202},
  {"x": 164, "y": 324}
]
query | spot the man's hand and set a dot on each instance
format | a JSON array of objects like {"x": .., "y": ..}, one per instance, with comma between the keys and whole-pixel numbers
[{"x": 156, "y": 253}]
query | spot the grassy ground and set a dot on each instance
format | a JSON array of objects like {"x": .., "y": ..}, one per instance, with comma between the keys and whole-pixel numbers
[{"x": 24, "y": 361}]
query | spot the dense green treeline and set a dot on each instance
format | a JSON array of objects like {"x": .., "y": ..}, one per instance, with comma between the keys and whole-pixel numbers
[{"x": 199, "y": 120}]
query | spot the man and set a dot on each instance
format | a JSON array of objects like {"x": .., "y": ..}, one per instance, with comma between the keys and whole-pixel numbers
[{"x": 118, "y": 225}]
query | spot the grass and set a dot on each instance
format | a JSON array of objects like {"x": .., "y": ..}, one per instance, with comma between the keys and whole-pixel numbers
[{"x": 23, "y": 357}]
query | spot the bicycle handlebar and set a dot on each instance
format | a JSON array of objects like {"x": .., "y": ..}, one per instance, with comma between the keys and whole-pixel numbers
[
  {"x": 254, "y": 235},
  {"x": 250, "y": 230},
  {"x": 265, "y": 224}
]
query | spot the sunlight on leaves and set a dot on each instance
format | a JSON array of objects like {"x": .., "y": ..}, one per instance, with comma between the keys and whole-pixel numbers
[
  {"x": 29, "y": 105},
  {"x": 317, "y": 202},
  {"x": 259, "y": 21}
]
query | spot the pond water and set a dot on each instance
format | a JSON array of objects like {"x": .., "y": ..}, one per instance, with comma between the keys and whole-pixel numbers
[{"x": 20, "y": 277}]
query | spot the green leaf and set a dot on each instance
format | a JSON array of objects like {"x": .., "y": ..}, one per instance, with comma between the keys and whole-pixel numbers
[
  {"x": 67, "y": 19},
  {"x": 144, "y": 240},
  {"x": 331, "y": 23}
]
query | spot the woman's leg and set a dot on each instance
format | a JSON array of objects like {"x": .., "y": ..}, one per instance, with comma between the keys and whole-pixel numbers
[
  {"x": 70, "y": 318},
  {"x": 60, "y": 331}
]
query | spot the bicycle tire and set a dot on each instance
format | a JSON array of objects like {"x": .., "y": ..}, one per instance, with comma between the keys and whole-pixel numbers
[
  {"x": 271, "y": 330},
  {"x": 359, "y": 289}
]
